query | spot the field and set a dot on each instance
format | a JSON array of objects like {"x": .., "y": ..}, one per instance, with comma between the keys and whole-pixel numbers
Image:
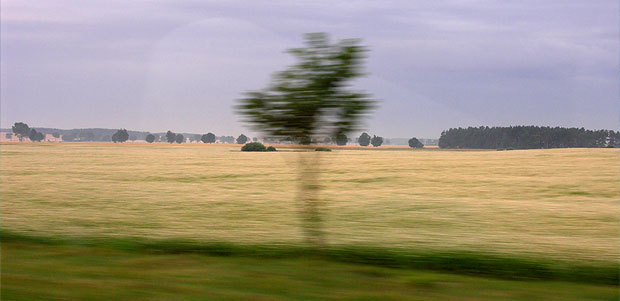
[{"x": 558, "y": 205}]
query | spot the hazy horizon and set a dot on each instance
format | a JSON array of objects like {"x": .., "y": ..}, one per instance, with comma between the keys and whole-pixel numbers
[{"x": 179, "y": 65}]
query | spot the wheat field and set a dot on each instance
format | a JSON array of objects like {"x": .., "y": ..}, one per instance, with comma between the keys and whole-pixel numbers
[{"x": 557, "y": 204}]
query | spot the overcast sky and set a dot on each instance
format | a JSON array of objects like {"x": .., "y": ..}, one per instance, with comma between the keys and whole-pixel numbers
[{"x": 180, "y": 65}]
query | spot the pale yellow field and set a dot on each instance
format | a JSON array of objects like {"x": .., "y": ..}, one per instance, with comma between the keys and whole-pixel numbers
[{"x": 561, "y": 203}]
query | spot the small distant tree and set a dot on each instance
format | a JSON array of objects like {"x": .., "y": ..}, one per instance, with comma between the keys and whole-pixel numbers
[
  {"x": 56, "y": 135},
  {"x": 36, "y": 136},
  {"x": 327, "y": 140},
  {"x": 21, "y": 130},
  {"x": 341, "y": 139},
  {"x": 120, "y": 136},
  {"x": 242, "y": 139},
  {"x": 179, "y": 138},
  {"x": 254, "y": 139},
  {"x": 8, "y": 135},
  {"x": 208, "y": 138},
  {"x": 376, "y": 141},
  {"x": 150, "y": 138},
  {"x": 364, "y": 139},
  {"x": 196, "y": 137},
  {"x": 415, "y": 143},
  {"x": 171, "y": 137}
]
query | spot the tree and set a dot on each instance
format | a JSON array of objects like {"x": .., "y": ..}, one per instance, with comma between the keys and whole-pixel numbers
[
  {"x": 120, "y": 136},
  {"x": 364, "y": 139},
  {"x": 56, "y": 135},
  {"x": 376, "y": 141},
  {"x": 341, "y": 139},
  {"x": 208, "y": 138},
  {"x": 150, "y": 138},
  {"x": 415, "y": 143},
  {"x": 254, "y": 139},
  {"x": 311, "y": 98},
  {"x": 171, "y": 137},
  {"x": 179, "y": 138},
  {"x": 21, "y": 130},
  {"x": 242, "y": 139},
  {"x": 8, "y": 135},
  {"x": 327, "y": 140},
  {"x": 36, "y": 136}
]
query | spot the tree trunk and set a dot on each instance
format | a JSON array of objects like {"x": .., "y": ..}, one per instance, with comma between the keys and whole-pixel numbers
[{"x": 308, "y": 196}]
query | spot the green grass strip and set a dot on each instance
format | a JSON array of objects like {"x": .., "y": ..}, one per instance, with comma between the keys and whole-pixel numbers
[{"x": 456, "y": 261}]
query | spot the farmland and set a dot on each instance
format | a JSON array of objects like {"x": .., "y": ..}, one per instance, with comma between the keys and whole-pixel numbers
[{"x": 557, "y": 204}]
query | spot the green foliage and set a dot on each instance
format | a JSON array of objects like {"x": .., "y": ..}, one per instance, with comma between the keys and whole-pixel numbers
[
  {"x": 311, "y": 97},
  {"x": 179, "y": 138},
  {"x": 171, "y": 137},
  {"x": 323, "y": 149},
  {"x": 254, "y": 147},
  {"x": 150, "y": 138},
  {"x": 364, "y": 139},
  {"x": 455, "y": 261},
  {"x": 242, "y": 139},
  {"x": 36, "y": 136},
  {"x": 208, "y": 138},
  {"x": 21, "y": 130},
  {"x": 56, "y": 135},
  {"x": 526, "y": 137},
  {"x": 120, "y": 136},
  {"x": 341, "y": 139},
  {"x": 376, "y": 141},
  {"x": 415, "y": 143},
  {"x": 271, "y": 149}
]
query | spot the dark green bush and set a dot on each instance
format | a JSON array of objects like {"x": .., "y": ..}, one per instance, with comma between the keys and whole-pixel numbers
[
  {"x": 253, "y": 147},
  {"x": 323, "y": 149},
  {"x": 271, "y": 149}
]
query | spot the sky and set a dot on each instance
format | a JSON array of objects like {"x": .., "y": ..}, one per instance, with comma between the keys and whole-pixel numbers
[{"x": 180, "y": 65}]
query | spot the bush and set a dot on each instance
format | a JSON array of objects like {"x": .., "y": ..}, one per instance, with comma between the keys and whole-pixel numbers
[
  {"x": 323, "y": 149},
  {"x": 271, "y": 149},
  {"x": 254, "y": 147}
]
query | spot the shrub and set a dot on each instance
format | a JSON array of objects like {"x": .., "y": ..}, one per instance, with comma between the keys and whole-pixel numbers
[
  {"x": 271, "y": 149},
  {"x": 323, "y": 149},
  {"x": 254, "y": 147}
]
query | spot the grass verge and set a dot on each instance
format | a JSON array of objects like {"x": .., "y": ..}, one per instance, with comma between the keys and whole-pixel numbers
[{"x": 458, "y": 262}]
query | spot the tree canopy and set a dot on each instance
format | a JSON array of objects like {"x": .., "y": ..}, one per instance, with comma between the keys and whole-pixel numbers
[
  {"x": 120, "y": 136},
  {"x": 376, "y": 141},
  {"x": 364, "y": 139},
  {"x": 36, "y": 136},
  {"x": 179, "y": 138},
  {"x": 415, "y": 143},
  {"x": 208, "y": 138},
  {"x": 21, "y": 130},
  {"x": 171, "y": 137},
  {"x": 150, "y": 138},
  {"x": 311, "y": 97},
  {"x": 242, "y": 139}
]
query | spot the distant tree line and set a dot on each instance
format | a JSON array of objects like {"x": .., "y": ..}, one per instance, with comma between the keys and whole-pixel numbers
[{"x": 527, "y": 137}]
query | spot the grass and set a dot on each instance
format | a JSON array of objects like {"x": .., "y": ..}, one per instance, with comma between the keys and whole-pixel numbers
[
  {"x": 554, "y": 206},
  {"x": 63, "y": 272}
]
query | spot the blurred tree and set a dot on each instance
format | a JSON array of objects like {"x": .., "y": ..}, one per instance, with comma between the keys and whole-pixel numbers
[
  {"x": 376, "y": 141},
  {"x": 254, "y": 139},
  {"x": 171, "y": 137},
  {"x": 36, "y": 136},
  {"x": 179, "y": 138},
  {"x": 341, "y": 139},
  {"x": 120, "y": 136},
  {"x": 364, "y": 139},
  {"x": 150, "y": 138},
  {"x": 242, "y": 139},
  {"x": 21, "y": 130},
  {"x": 311, "y": 98},
  {"x": 415, "y": 143},
  {"x": 208, "y": 138},
  {"x": 56, "y": 135}
]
